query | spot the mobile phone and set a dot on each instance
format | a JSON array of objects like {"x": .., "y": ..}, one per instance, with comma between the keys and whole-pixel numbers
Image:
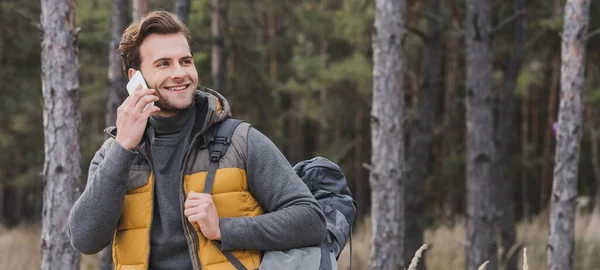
[{"x": 133, "y": 83}]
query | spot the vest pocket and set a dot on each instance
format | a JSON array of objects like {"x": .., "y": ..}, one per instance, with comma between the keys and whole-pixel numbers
[{"x": 138, "y": 176}]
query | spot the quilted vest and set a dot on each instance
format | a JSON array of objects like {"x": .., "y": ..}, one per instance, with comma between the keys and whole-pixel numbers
[{"x": 131, "y": 245}]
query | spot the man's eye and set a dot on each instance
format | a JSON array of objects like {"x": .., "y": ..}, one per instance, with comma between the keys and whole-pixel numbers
[
  {"x": 187, "y": 61},
  {"x": 163, "y": 63}
]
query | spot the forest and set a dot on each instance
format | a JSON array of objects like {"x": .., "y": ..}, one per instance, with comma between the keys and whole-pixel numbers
[{"x": 470, "y": 126}]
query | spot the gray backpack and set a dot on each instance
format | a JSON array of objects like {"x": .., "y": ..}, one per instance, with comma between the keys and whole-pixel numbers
[
  {"x": 330, "y": 187},
  {"x": 326, "y": 182}
]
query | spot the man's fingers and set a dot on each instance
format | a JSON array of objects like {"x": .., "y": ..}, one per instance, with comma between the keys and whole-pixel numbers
[
  {"x": 150, "y": 111},
  {"x": 190, "y": 211},
  {"x": 145, "y": 100},
  {"x": 126, "y": 102},
  {"x": 137, "y": 95}
]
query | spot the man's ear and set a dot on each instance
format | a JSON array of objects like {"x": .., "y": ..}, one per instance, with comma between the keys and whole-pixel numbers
[{"x": 130, "y": 72}]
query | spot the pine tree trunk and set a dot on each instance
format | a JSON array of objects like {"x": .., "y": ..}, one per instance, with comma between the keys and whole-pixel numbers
[
  {"x": 451, "y": 134},
  {"x": 570, "y": 129},
  {"x": 420, "y": 148},
  {"x": 182, "y": 9},
  {"x": 481, "y": 152},
  {"x": 219, "y": 50},
  {"x": 140, "y": 8},
  {"x": 1, "y": 79},
  {"x": 504, "y": 141},
  {"x": 591, "y": 114},
  {"x": 116, "y": 76},
  {"x": 387, "y": 129},
  {"x": 116, "y": 88},
  {"x": 524, "y": 157},
  {"x": 62, "y": 119},
  {"x": 545, "y": 185}
]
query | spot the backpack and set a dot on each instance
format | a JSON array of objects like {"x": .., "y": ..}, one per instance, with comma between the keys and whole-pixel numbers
[{"x": 322, "y": 177}]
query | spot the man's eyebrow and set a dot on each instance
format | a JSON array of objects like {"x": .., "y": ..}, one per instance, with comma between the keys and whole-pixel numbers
[{"x": 161, "y": 59}]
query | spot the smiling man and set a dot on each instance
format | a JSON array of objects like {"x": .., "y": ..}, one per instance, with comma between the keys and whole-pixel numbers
[{"x": 145, "y": 182}]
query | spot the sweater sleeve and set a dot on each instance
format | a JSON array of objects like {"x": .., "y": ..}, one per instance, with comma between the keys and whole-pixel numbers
[
  {"x": 95, "y": 215},
  {"x": 293, "y": 217}
]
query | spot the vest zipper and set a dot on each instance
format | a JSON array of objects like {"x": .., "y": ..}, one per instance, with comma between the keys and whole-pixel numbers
[
  {"x": 191, "y": 233},
  {"x": 152, "y": 208},
  {"x": 195, "y": 258}
]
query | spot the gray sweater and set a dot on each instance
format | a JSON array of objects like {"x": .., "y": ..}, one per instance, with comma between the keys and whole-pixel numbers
[{"x": 293, "y": 218}]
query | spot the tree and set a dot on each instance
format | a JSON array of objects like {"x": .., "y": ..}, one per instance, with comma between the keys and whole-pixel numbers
[
  {"x": 116, "y": 92},
  {"x": 140, "y": 8},
  {"x": 182, "y": 9},
  {"x": 62, "y": 119},
  {"x": 387, "y": 128},
  {"x": 569, "y": 132},
  {"x": 116, "y": 77},
  {"x": 218, "y": 65},
  {"x": 505, "y": 138},
  {"x": 421, "y": 134},
  {"x": 481, "y": 152}
]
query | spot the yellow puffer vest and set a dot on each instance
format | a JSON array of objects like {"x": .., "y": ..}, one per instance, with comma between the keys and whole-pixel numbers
[{"x": 131, "y": 245}]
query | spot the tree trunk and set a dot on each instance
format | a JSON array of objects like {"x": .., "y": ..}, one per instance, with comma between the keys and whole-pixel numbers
[
  {"x": 140, "y": 8},
  {"x": 62, "y": 119},
  {"x": 570, "y": 129},
  {"x": 591, "y": 114},
  {"x": 272, "y": 42},
  {"x": 116, "y": 77},
  {"x": 481, "y": 152},
  {"x": 387, "y": 129},
  {"x": 219, "y": 50},
  {"x": 451, "y": 125},
  {"x": 524, "y": 157},
  {"x": 545, "y": 186},
  {"x": 116, "y": 88},
  {"x": 361, "y": 187},
  {"x": 182, "y": 9},
  {"x": 420, "y": 148},
  {"x": 505, "y": 139}
]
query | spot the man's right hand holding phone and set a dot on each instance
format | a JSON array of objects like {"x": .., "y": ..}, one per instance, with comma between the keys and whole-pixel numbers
[{"x": 132, "y": 118}]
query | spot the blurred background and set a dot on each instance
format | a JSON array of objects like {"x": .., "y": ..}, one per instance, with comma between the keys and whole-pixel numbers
[{"x": 301, "y": 72}]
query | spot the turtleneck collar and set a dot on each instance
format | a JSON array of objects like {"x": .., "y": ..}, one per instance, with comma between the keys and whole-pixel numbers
[{"x": 172, "y": 124}]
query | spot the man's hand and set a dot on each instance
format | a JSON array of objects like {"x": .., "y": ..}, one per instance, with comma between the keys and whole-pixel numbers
[
  {"x": 200, "y": 209},
  {"x": 131, "y": 121}
]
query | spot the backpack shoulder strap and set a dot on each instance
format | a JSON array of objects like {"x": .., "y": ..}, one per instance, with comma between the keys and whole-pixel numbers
[{"x": 217, "y": 147}]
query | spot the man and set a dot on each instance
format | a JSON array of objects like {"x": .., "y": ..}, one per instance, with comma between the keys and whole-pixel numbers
[{"x": 145, "y": 183}]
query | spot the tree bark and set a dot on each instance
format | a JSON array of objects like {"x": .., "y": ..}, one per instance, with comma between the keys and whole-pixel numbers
[
  {"x": 451, "y": 126},
  {"x": 116, "y": 88},
  {"x": 219, "y": 50},
  {"x": 140, "y": 8},
  {"x": 524, "y": 157},
  {"x": 481, "y": 152},
  {"x": 387, "y": 128},
  {"x": 545, "y": 181},
  {"x": 420, "y": 148},
  {"x": 505, "y": 139},
  {"x": 570, "y": 129},
  {"x": 182, "y": 9},
  {"x": 591, "y": 116},
  {"x": 62, "y": 119},
  {"x": 116, "y": 77}
]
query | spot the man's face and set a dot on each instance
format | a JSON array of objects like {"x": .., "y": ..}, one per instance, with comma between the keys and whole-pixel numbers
[{"x": 168, "y": 67}]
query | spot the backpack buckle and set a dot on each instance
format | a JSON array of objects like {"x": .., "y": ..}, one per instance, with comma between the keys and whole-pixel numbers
[
  {"x": 221, "y": 140},
  {"x": 215, "y": 155}
]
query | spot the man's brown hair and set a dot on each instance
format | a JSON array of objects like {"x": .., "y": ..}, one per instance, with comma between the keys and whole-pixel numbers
[{"x": 156, "y": 22}]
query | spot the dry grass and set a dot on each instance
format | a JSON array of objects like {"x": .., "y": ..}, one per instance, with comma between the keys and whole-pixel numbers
[
  {"x": 447, "y": 246},
  {"x": 20, "y": 247}
]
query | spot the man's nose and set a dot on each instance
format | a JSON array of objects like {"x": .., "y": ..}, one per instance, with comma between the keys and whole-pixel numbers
[{"x": 178, "y": 72}]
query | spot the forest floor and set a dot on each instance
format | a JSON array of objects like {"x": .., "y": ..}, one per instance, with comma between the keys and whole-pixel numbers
[{"x": 20, "y": 247}]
